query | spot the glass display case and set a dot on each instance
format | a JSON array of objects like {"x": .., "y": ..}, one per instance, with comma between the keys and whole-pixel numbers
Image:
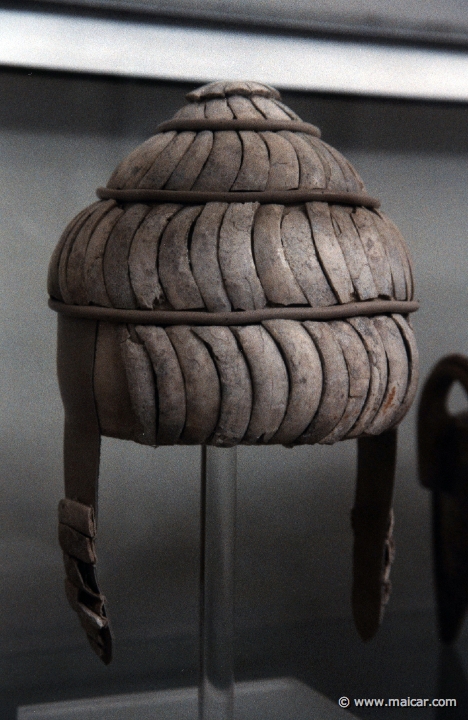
[{"x": 62, "y": 134}]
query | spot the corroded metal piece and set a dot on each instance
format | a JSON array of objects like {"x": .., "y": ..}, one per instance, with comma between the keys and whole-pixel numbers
[{"x": 443, "y": 469}]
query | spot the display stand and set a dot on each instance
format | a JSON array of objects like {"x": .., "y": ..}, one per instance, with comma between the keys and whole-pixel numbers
[{"x": 217, "y": 554}]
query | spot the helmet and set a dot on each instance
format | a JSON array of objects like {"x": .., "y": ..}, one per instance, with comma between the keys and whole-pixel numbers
[{"x": 234, "y": 284}]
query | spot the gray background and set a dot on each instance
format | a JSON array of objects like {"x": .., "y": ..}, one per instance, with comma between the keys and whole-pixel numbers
[
  {"x": 60, "y": 138},
  {"x": 430, "y": 20}
]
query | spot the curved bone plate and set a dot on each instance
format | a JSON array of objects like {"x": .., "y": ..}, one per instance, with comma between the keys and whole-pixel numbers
[
  {"x": 66, "y": 245},
  {"x": 270, "y": 382},
  {"x": 255, "y": 167},
  {"x": 166, "y": 162},
  {"x": 95, "y": 284},
  {"x": 192, "y": 111},
  {"x": 394, "y": 256},
  {"x": 335, "y": 178},
  {"x": 174, "y": 265},
  {"x": 299, "y": 250},
  {"x": 335, "y": 391},
  {"x": 352, "y": 179},
  {"x": 290, "y": 113},
  {"x": 222, "y": 166},
  {"x": 236, "y": 388},
  {"x": 273, "y": 269},
  {"x": 413, "y": 366},
  {"x": 204, "y": 257},
  {"x": 270, "y": 108},
  {"x": 202, "y": 386},
  {"x": 169, "y": 382},
  {"x": 359, "y": 378},
  {"x": 375, "y": 252},
  {"x": 235, "y": 258},
  {"x": 140, "y": 379},
  {"x": 130, "y": 171},
  {"x": 115, "y": 263},
  {"x": 243, "y": 107},
  {"x": 305, "y": 377},
  {"x": 143, "y": 256},
  {"x": 353, "y": 252},
  {"x": 405, "y": 257},
  {"x": 192, "y": 163},
  {"x": 284, "y": 165},
  {"x": 398, "y": 375},
  {"x": 329, "y": 251},
  {"x": 218, "y": 109},
  {"x": 311, "y": 175},
  {"x": 378, "y": 369},
  {"x": 53, "y": 285},
  {"x": 75, "y": 279}
]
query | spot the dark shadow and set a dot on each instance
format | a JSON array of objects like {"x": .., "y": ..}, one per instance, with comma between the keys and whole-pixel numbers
[
  {"x": 452, "y": 683},
  {"x": 8, "y": 710}
]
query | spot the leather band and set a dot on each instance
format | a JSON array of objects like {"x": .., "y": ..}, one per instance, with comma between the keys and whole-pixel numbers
[
  {"x": 257, "y": 125},
  {"x": 265, "y": 197},
  {"x": 75, "y": 365},
  {"x": 372, "y": 521},
  {"x": 244, "y": 317},
  {"x": 82, "y": 441}
]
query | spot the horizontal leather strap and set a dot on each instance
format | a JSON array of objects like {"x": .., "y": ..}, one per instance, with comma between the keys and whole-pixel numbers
[
  {"x": 243, "y": 317},
  {"x": 199, "y": 197},
  {"x": 255, "y": 124}
]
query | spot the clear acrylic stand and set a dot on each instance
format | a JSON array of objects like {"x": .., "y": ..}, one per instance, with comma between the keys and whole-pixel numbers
[{"x": 217, "y": 554}]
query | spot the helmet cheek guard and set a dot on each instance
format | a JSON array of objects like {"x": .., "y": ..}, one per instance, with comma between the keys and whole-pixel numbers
[{"x": 234, "y": 285}]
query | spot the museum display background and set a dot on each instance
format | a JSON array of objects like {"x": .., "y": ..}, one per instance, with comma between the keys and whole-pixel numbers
[{"x": 60, "y": 138}]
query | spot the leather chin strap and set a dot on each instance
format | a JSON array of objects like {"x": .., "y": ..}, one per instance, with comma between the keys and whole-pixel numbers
[
  {"x": 372, "y": 522},
  {"x": 372, "y": 517},
  {"x": 77, "y": 512}
]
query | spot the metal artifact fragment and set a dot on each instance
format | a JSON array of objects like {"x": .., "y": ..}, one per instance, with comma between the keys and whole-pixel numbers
[{"x": 443, "y": 469}]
